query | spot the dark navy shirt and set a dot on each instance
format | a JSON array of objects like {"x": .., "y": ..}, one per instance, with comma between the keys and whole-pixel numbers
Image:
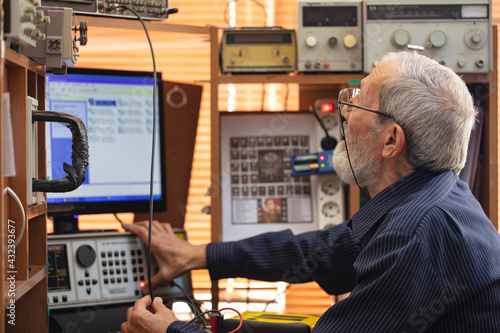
[{"x": 421, "y": 256}]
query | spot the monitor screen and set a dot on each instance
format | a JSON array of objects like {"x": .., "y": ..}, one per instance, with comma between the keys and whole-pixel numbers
[{"x": 117, "y": 110}]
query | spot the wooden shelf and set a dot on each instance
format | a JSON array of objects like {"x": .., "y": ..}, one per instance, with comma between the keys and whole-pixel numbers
[
  {"x": 14, "y": 59},
  {"x": 22, "y": 77},
  {"x": 333, "y": 79},
  {"x": 133, "y": 24},
  {"x": 37, "y": 274},
  {"x": 36, "y": 210}
]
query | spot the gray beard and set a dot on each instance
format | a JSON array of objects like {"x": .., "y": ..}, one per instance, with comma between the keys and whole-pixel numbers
[{"x": 364, "y": 165}]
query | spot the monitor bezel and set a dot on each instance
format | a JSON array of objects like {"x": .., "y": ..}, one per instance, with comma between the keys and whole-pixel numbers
[{"x": 111, "y": 207}]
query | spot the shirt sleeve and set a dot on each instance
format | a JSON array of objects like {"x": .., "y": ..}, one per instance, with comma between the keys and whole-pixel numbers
[
  {"x": 397, "y": 290},
  {"x": 182, "y": 327},
  {"x": 326, "y": 257}
]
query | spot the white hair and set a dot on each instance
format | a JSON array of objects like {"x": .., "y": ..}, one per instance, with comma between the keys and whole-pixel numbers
[{"x": 435, "y": 109}]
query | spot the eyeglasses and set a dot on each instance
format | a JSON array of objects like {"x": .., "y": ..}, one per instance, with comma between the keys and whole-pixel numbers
[{"x": 344, "y": 103}]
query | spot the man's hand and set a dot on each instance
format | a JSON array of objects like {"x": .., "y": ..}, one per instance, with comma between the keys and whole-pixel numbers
[
  {"x": 173, "y": 255},
  {"x": 141, "y": 319}
]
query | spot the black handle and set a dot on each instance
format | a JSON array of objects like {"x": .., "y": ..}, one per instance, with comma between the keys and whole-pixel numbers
[{"x": 79, "y": 156}]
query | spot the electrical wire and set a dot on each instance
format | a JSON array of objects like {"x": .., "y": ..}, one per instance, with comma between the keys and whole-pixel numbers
[
  {"x": 202, "y": 314},
  {"x": 191, "y": 306},
  {"x": 153, "y": 145},
  {"x": 175, "y": 284},
  {"x": 320, "y": 123},
  {"x": 117, "y": 218},
  {"x": 254, "y": 1},
  {"x": 350, "y": 164},
  {"x": 239, "y": 314},
  {"x": 274, "y": 299},
  {"x": 263, "y": 97},
  {"x": 285, "y": 107}
]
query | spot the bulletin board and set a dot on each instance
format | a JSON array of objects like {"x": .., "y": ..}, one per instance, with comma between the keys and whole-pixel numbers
[{"x": 259, "y": 193}]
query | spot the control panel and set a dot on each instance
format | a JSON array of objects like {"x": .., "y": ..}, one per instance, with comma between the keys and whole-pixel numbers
[
  {"x": 330, "y": 191},
  {"x": 146, "y": 9},
  {"x": 456, "y": 35},
  {"x": 101, "y": 268},
  {"x": 59, "y": 48},
  {"x": 21, "y": 18},
  {"x": 257, "y": 50},
  {"x": 330, "y": 36}
]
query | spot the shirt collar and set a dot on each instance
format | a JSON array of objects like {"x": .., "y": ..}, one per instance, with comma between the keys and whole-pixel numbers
[{"x": 390, "y": 197}]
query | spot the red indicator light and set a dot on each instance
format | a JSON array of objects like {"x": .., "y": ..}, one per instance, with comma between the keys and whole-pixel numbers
[
  {"x": 142, "y": 284},
  {"x": 322, "y": 158},
  {"x": 327, "y": 107}
]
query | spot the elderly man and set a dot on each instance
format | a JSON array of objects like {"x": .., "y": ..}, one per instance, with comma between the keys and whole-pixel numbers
[{"x": 420, "y": 256}]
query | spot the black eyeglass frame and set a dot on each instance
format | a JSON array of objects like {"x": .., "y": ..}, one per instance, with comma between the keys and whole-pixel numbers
[{"x": 339, "y": 103}]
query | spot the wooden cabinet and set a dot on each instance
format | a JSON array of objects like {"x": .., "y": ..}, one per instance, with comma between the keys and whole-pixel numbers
[{"x": 23, "y": 269}]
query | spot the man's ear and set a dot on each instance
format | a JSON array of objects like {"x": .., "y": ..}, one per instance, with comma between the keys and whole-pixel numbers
[{"x": 394, "y": 141}]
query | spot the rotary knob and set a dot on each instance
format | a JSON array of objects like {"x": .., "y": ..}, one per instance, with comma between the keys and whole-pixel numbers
[
  {"x": 85, "y": 255},
  {"x": 311, "y": 41},
  {"x": 400, "y": 38},
  {"x": 476, "y": 38},
  {"x": 350, "y": 41},
  {"x": 438, "y": 38}
]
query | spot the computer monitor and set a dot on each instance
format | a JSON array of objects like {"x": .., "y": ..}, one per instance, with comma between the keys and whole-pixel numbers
[{"x": 117, "y": 109}]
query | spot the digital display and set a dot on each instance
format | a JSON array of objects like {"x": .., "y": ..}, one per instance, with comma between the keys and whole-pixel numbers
[
  {"x": 117, "y": 110},
  {"x": 259, "y": 38},
  {"x": 329, "y": 16},
  {"x": 58, "y": 270},
  {"x": 426, "y": 12}
]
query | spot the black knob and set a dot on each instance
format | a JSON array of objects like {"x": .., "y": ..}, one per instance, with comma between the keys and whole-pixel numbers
[
  {"x": 328, "y": 143},
  {"x": 85, "y": 255}
]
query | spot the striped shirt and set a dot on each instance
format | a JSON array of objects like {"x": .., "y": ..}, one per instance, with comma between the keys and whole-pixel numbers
[{"x": 421, "y": 256}]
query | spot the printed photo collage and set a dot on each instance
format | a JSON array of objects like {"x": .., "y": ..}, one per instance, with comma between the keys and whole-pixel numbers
[{"x": 261, "y": 175}]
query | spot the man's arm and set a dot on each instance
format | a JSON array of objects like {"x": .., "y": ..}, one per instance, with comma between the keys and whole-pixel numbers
[
  {"x": 173, "y": 255},
  {"x": 326, "y": 257}
]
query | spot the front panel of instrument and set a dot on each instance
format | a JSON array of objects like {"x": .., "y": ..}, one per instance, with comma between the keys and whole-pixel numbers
[
  {"x": 456, "y": 35},
  {"x": 330, "y": 36},
  {"x": 258, "y": 50},
  {"x": 101, "y": 268}
]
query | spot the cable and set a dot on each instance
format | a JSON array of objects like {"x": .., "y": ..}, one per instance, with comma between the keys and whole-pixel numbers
[
  {"x": 239, "y": 314},
  {"x": 254, "y": 1},
  {"x": 191, "y": 306},
  {"x": 174, "y": 284},
  {"x": 202, "y": 314},
  {"x": 197, "y": 308},
  {"x": 328, "y": 142},
  {"x": 153, "y": 146},
  {"x": 350, "y": 164},
  {"x": 117, "y": 218},
  {"x": 285, "y": 107},
  {"x": 274, "y": 299},
  {"x": 320, "y": 123},
  {"x": 263, "y": 97}
]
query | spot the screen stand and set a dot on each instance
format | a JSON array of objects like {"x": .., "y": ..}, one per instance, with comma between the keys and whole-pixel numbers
[{"x": 66, "y": 224}]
